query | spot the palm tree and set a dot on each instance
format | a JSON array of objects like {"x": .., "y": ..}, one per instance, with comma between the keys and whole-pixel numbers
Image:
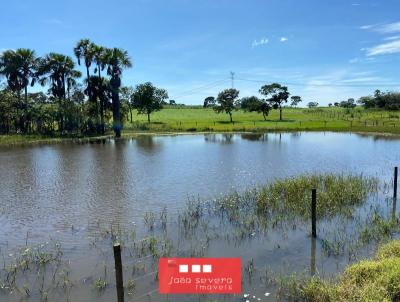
[
  {"x": 84, "y": 50},
  {"x": 100, "y": 58},
  {"x": 59, "y": 72},
  {"x": 19, "y": 68},
  {"x": 101, "y": 91},
  {"x": 117, "y": 60},
  {"x": 71, "y": 81}
]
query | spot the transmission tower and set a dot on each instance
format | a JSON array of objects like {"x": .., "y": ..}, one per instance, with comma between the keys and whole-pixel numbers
[{"x": 232, "y": 78}]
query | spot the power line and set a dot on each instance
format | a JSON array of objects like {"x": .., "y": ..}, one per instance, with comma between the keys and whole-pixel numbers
[
  {"x": 327, "y": 85},
  {"x": 232, "y": 78},
  {"x": 197, "y": 89}
]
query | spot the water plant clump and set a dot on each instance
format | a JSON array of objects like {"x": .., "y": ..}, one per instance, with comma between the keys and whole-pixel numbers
[
  {"x": 289, "y": 199},
  {"x": 337, "y": 194}
]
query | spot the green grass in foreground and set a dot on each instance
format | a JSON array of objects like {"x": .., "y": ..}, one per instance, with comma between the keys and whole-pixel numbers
[{"x": 377, "y": 279}]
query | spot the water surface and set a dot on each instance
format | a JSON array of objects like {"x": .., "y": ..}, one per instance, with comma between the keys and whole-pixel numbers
[{"x": 70, "y": 191}]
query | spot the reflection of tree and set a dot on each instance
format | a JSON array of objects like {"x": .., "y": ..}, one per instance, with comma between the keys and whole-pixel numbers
[
  {"x": 226, "y": 138},
  {"x": 148, "y": 143},
  {"x": 295, "y": 135},
  {"x": 255, "y": 136},
  {"x": 378, "y": 137}
]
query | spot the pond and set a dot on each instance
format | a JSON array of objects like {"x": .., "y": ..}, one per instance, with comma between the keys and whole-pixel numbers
[{"x": 73, "y": 195}]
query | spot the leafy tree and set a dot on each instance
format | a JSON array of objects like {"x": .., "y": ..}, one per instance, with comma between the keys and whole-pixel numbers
[
  {"x": 127, "y": 93},
  {"x": 350, "y": 103},
  {"x": 391, "y": 101},
  {"x": 209, "y": 102},
  {"x": 367, "y": 102},
  {"x": 254, "y": 104},
  {"x": 38, "y": 97},
  {"x": 19, "y": 69},
  {"x": 295, "y": 100},
  {"x": 330, "y": 104},
  {"x": 117, "y": 61},
  {"x": 172, "y": 102},
  {"x": 388, "y": 100},
  {"x": 147, "y": 99},
  {"x": 227, "y": 101},
  {"x": 276, "y": 95},
  {"x": 7, "y": 113},
  {"x": 312, "y": 104}
]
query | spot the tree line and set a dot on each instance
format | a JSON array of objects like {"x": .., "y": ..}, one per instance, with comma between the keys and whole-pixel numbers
[
  {"x": 379, "y": 100},
  {"x": 68, "y": 105},
  {"x": 71, "y": 106},
  {"x": 384, "y": 100}
]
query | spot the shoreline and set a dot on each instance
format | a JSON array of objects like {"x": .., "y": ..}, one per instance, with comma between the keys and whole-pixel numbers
[{"x": 27, "y": 140}]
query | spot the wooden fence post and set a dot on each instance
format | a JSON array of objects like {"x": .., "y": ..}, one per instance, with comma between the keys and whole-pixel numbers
[
  {"x": 314, "y": 213},
  {"x": 118, "y": 272}
]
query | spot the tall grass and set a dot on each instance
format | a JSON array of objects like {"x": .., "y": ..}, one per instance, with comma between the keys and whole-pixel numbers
[
  {"x": 290, "y": 197},
  {"x": 377, "y": 279}
]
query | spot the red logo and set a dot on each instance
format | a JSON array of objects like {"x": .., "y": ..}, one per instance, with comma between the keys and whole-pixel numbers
[{"x": 200, "y": 275}]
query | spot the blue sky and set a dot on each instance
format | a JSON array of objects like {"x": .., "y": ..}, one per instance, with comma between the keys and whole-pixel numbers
[{"x": 323, "y": 50}]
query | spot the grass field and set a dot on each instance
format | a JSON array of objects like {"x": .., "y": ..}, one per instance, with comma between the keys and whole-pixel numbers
[
  {"x": 198, "y": 119},
  {"x": 329, "y": 119}
]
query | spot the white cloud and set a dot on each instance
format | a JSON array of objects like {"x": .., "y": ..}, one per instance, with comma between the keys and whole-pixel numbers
[
  {"x": 283, "y": 39},
  {"x": 262, "y": 41},
  {"x": 340, "y": 84},
  {"x": 387, "y": 28},
  {"x": 354, "y": 60},
  {"x": 392, "y": 38},
  {"x": 385, "y": 48},
  {"x": 367, "y": 26},
  {"x": 53, "y": 21}
]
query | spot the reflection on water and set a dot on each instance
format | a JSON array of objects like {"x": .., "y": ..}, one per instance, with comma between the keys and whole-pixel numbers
[
  {"x": 313, "y": 255},
  {"x": 254, "y": 136},
  {"x": 149, "y": 143},
  {"x": 219, "y": 138}
]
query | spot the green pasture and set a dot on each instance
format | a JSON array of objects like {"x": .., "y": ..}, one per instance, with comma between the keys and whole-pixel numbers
[{"x": 294, "y": 119}]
